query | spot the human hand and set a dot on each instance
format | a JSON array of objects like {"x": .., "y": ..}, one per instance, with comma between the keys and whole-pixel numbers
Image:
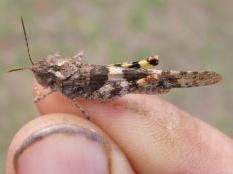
[{"x": 133, "y": 134}]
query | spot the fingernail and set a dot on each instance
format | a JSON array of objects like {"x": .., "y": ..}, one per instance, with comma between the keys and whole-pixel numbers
[{"x": 63, "y": 149}]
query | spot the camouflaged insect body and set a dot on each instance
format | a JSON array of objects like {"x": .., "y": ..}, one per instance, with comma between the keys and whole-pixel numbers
[{"x": 76, "y": 79}]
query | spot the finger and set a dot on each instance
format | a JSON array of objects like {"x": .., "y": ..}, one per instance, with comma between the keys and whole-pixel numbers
[
  {"x": 155, "y": 135},
  {"x": 61, "y": 143}
]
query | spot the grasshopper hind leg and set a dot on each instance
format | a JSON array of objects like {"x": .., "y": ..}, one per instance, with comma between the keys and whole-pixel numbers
[
  {"x": 150, "y": 84},
  {"x": 147, "y": 63}
]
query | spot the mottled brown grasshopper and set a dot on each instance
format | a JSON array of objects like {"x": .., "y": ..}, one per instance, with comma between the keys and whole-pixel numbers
[{"x": 74, "y": 79}]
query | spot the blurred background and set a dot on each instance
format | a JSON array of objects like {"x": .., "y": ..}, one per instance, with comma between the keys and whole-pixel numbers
[{"x": 188, "y": 35}]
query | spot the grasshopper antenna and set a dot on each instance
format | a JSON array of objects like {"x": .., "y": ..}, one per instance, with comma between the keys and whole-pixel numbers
[
  {"x": 28, "y": 51},
  {"x": 26, "y": 40},
  {"x": 19, "y": 69}
]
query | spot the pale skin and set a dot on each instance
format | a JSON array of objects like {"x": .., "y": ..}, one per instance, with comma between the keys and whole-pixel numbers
[{"x": 142, "y": 134}]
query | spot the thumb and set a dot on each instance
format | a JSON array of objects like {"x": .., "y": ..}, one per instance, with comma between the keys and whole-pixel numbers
[{"x": 61, "y": 143}]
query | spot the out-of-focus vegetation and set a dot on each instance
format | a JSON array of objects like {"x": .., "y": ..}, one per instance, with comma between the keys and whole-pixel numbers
[{"x": 188, "y": 35}]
